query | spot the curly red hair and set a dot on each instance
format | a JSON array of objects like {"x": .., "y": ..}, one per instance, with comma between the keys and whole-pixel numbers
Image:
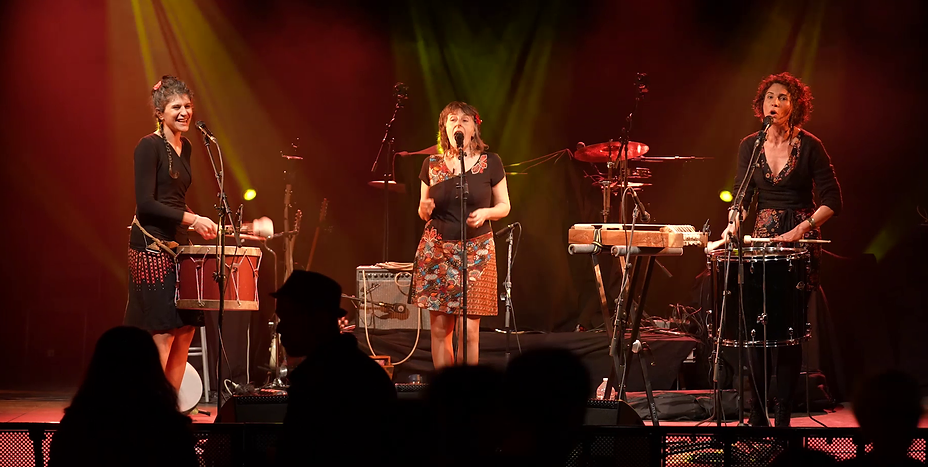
[{"x": 799, "y": 94}]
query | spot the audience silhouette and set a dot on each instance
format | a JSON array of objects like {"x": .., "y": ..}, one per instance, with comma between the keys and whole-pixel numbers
[
  {"x": 125, "y": 411},
  {"x": 888, "y": 407},
  {"x": 464, "y": 407},
  {"x": 546, "y": 393},
  {"x": 341, "y": 402}
]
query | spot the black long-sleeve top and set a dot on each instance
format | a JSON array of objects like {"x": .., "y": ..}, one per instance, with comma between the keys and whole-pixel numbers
[
  {"x": 160, "y": 201},
  {"x": 809, "y": 171}
]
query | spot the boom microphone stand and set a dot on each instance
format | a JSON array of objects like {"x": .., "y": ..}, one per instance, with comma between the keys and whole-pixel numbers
[
  {"x": 462, "y": 184},
  {"x": 734, "y": 239},
  {"x": 507, "y": 284},
  {"x": 222, "y": 209},
  {"x": 400, "y": 93},
  {"x": 641, "y": 82}
]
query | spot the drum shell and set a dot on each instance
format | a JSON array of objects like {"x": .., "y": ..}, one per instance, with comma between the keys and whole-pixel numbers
[
  {"x": 785, "y": 274},
  {"x": 198, "y": 290}
]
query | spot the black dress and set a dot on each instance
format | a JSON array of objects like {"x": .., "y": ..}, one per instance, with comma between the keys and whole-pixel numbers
[
  {"x": 437, "y": 269},
  {"x": 160, "y": 205},
  {"x": 784, "y": 201}
]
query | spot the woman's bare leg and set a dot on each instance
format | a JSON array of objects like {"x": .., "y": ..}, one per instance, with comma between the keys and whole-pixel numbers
[
  {"x": 442, "y": 326},
  {"x": 177, "y": 359},
  {"x": 473, "y": 339},
  {"x": 163, "y": 341}
]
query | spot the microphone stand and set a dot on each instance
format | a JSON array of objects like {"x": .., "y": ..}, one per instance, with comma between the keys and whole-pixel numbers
[
  {"x": 463, "y": 187},
  {"x": 733, "y": 241},
  {"x": 219, "y": 276},
  {"x": 641, "y": 83},
  {"x": 507, "y": 291},
  {"x": 400, "y": 93}
]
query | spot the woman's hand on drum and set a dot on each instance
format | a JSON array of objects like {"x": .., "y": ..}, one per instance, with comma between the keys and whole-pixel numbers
[
  {"x": 425, "y": 208},
  {"x": 205, "y": 227},
  {"x": 793, "y": 235}
]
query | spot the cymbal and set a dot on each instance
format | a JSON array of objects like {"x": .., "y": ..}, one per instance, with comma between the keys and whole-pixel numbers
[
  {"x": 605, "y": 152},
  {"x": 391, "y": 185}
]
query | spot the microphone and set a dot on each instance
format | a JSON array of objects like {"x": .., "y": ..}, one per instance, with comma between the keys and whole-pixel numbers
[
  {"x": 645, "y": 215},
  {"x": 766, "y": 124},
  {"x": 459, "y": 138},
  {"x": 762, "y": 134},
  {"x": 506, "y": 229},
  {"x": 202, "y": 127}
]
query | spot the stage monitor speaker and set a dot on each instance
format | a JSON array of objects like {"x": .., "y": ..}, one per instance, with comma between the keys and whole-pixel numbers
[
  {"x": 611, "y": 413},
  {"x": 258, "y": 409},
  {"x": 386, "y": 294}
]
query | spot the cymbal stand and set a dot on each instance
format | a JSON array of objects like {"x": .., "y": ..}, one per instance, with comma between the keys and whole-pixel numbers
[
  {"x": 607, "y": 186},
  {"x": 400, "y": 94}
]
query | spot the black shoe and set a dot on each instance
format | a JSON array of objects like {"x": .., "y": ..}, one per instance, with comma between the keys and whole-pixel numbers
[
  {"x": 758, "y": 415},
  {"x": 782, "y": 414}
]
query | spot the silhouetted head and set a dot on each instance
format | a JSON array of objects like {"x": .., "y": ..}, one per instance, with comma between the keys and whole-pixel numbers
[
  {"x": 548, "y": 390},
  {"x": 888, "y": 407},
  {"x": 466, "y": 399},
  {"x": 308, "y": 306},
  {"x": 125, "y": 369}
]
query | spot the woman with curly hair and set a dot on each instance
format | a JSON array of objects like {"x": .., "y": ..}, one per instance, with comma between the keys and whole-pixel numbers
[
  {"x": 162, "y": 177},
  {"x": 437, "y": 278},
  {"x": 793, "y": 169}
]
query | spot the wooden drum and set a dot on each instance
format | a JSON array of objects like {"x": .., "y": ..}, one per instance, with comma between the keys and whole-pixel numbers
[{"x": 197, "y": 288}]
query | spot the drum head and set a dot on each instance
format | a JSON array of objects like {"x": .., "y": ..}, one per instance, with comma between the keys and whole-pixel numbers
[
  {"x": 190, "y": 389},
  {"x": 213, "y": 250},
  {"x": 758, "y": 253}
]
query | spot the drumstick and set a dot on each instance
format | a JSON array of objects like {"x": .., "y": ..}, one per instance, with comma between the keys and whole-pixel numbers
[{"x": 750, "y": 239}]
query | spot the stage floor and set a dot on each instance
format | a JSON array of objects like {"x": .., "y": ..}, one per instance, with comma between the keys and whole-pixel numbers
[{"x": 44, "y": 407}]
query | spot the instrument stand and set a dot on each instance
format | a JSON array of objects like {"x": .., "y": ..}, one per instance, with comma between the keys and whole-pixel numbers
[
  {"x": 506, "y": 296},
  {"x": 400, "y": 93},
  {"x": 277, "y": 368},
  {"x": 222, "y": 210},
  {"x": 622, "y": 352}
]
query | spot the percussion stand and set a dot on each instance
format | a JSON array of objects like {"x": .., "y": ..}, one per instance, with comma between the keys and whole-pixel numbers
[
  {"x": 400, "y": 93},
  {"x": 736, "y": 215},
  {"x": 222, "y": 209}
]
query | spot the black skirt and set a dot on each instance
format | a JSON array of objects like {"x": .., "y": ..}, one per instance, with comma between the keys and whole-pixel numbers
[{"x": 152, "y": 289}]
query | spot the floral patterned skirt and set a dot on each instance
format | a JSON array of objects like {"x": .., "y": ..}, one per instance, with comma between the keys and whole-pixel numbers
[
  {"x": 773, "y": 222},
  {"x": 437, "y": 274}
]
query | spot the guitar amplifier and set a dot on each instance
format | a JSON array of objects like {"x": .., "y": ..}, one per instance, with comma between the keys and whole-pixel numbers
[{"x": 382, "y": 300}]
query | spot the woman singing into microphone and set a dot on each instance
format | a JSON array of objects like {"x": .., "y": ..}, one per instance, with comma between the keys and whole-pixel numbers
[
  {"x": 438, "y": 258},
  {"x": 793, "y": 168}
]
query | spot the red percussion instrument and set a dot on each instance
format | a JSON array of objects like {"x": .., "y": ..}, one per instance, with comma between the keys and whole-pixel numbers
[{"x": 196, "y": 287}]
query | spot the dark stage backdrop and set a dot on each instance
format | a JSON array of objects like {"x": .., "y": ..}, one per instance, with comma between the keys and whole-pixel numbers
[{"x": 545, "y": 75}]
